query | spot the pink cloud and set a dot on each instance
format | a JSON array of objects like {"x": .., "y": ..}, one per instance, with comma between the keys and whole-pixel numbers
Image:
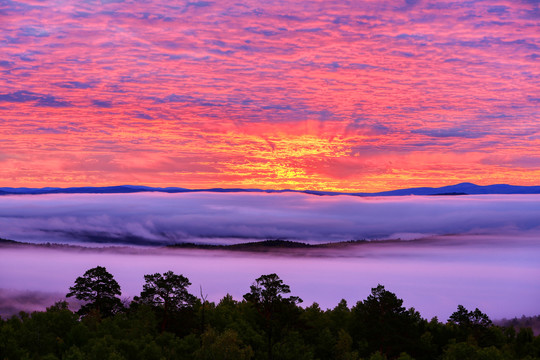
[{"x": 222, "y": 79}]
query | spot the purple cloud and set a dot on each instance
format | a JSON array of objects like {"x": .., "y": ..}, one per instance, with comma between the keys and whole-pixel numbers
[
  {"x": 172, "y": 218},
  {"x": 41, "y": 100}
]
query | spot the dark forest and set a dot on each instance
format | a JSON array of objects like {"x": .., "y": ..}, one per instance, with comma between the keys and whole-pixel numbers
[{"x": 168, "y": 322}]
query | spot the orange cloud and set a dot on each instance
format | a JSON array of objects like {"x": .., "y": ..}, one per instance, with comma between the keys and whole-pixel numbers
[{"x": 324, "y": 95}]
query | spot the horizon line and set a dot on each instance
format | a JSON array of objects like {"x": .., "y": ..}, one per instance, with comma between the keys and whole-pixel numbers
[{"x": 240, "y": 189}]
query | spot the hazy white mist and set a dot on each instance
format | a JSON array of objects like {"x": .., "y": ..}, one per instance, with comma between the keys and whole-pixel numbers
[{"x": 479, "y": 251}]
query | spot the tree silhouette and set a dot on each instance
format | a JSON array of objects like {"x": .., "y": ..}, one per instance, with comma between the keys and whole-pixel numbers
[
  {"x": 384, "y": 322},
  {"x": 98, "y": 287},
  {"x": 474, "y": 323},
  {"x": 168, "y": 292},
  {"x": 465, "y": 318},
  {"x": 267, "y": 292},
  {"x": 267, "y": 296}
]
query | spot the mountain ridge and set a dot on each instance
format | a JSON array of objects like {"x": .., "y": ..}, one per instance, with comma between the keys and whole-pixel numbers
[{"x": 464, "y": 188}]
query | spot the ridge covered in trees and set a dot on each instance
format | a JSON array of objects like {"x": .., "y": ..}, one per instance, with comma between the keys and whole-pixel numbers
[
  {"x": 167, "y": 322},
  {"x": 267, "y": 245}
]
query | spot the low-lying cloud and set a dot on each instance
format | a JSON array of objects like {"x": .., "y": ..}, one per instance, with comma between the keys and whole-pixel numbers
[
  {"x": 496, "y": 273},
  {"x": 14, "y": 301},
  {"x": 158, "y": 219}
]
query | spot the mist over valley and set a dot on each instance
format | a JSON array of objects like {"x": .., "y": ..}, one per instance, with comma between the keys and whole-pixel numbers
[{"x": 435, "y": 252}]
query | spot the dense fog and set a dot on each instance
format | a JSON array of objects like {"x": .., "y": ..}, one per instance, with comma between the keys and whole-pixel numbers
[
  {"x": 479, "y": 251},
  {"x": 157, "y": 219}
]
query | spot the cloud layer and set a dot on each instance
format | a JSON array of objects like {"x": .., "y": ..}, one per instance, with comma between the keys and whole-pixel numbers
[
  {"x": 361, "y": 96},
  {"x": 479, "y": 251},
  {"x": 496, "y": 273},
  {"x": 158, "y": 219}
]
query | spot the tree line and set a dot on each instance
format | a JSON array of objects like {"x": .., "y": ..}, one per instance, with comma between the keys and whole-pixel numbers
[{"x": 167, "y": 322}]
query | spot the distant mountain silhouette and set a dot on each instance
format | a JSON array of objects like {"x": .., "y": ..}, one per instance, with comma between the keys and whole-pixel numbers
[
  {"x": 464, "y": 189},
  {"x": 458, "y": 189},
  {"x": 250, "y": 246},
  {"x": 269, "y": 245}
]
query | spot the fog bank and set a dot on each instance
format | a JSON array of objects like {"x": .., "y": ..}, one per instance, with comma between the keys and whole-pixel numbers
[
  {"x": 157, "y": 219},
  {"x": 479, "y": 251},
  {"x": 497, "y": 274}
]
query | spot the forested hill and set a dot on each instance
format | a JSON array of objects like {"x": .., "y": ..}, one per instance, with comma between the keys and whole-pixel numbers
[
  {"x": 167, "y": 322},
  {"x": 270, "y": 245},
  {"x": 458, "y": 189},
  {"x": 532, "y": 322}
]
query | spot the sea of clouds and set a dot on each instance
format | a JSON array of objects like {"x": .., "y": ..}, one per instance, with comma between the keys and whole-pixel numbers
[
  {"x": 158, "y": 219},
  {"x": 479, "y": 251}
]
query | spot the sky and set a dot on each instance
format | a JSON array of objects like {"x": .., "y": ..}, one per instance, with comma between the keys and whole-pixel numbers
[{"x": 326, "y": 95}]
